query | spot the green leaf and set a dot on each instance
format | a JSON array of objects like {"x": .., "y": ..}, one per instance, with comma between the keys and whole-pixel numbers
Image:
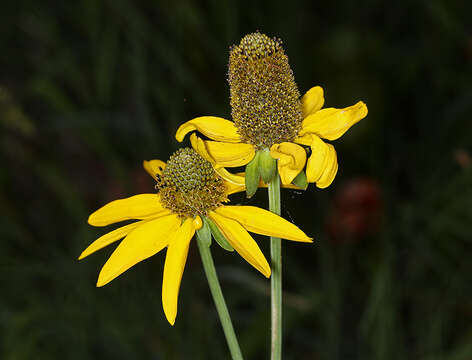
[
  {"x": 252, "y": 176},
  {"x": 218, "y": 236},
  {"x": 300, "y": 180},
  {"x": 204, "y": 233},
  {"x": 267, "y": 165}
]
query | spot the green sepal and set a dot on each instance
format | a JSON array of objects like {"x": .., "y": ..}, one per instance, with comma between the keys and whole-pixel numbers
[
  {"x": 300, "y": 180},
  {"x": 218, "y": 236},
  {"x": 204, "y": 233},
  {"x": 267, "y": 165},
  {"x": 252, "y": 176}
]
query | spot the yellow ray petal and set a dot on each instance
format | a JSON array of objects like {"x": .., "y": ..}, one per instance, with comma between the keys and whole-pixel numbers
[
  {"x": 263, "y": 222},
  {"x": 242, "y": 242},
  {"x": 312, "y": 101},
  {"x": 236, "y": 179},
  {"x": 140, "y": 206},
  {"x": 228, "y": 154},
  {"x": 109, "y": 238},
  {"x": 292, "y": 159},
  {"x": 215, "y": 128},
  {"x": 233, "y": 188},
  {"x": 322, "y": 165},
  {"x": 174, "y": 268},
  {"x": 144, "y": 241},
  {"x": 222, "y": 154},
  {"x": 330, "y": 172},
  {"x": 199, "y": 146},
  {"x": 331, "y": 123},
  {"x": 154, "y": 167}
]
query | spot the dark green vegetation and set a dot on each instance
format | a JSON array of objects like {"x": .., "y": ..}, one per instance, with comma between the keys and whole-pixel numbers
[{"x": 90, "y": 89}]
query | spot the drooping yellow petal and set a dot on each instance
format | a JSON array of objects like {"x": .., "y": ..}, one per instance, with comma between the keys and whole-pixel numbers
[
  {"x": 109, "y": 238},
  {"x": 154, "y": 167},
  {"x": 331, "y": 123},
  {"x": 318, "y": 159},
  {"x": 322, "y": 165},
  {"x": 331, "y": 170},
  {"x": 143, "y": 242},
  {"x": 223, "y": 154},
  {"x": 292, "y": 159},
  {"x": 306, "y": 139},
  {"x": 236, "y": 179},
  {"x": 199, "y": 146},
  {"x": 215, "y": 128},
  {"x": 140, "y": 206},
  {"x": 242, "y": 242},
  {"x": 176, "y": 257},
  {"x": 312, "y": 101},
  {"x": 233, "y": 188},
  {"x": 229, "y": 154},
  {"x": 263, "y": 222}
]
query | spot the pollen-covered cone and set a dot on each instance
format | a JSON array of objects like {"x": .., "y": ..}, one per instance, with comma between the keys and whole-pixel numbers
[
  {"x": 268, "y": 114},
  {"x": 189, "y": 190}
]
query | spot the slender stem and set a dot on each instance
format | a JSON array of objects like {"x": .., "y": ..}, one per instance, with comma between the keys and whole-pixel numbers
[
  {"x": 220, "y": 303},
  {"x": 276, "y": 277}
]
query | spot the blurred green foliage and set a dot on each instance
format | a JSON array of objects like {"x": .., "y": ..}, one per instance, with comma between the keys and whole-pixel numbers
[{"x": 88, "y": 89}]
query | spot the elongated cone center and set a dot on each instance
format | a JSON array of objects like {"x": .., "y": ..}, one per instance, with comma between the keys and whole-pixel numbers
[
  {"x": 189, "y": 186},
  {"x": 265, "y": 100}
]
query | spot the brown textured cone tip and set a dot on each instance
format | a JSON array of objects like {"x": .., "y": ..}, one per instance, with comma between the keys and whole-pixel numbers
[
  {"x": 265, "y": 100},
  {"x": 189, "y": 186}
]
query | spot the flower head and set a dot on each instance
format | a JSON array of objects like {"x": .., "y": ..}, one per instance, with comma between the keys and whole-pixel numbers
[
  {"x": 265, "y": 101},
  {"x": 272, "y": 122},
  {"x": 190, "y": 194},
  {"x": 189, "y": 186}
]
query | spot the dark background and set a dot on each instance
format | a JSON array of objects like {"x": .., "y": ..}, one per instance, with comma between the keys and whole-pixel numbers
[{"x": 89, "y": 89}]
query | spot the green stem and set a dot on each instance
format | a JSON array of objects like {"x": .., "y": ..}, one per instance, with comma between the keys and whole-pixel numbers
[
  {"x": 276, "y": 277},
  {"x": 220, "y": 303}
]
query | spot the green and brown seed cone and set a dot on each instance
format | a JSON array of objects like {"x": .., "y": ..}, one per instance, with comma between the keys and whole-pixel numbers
[
  {"x": 265, "y": 100},
  {"x": 189, "y": 186}
]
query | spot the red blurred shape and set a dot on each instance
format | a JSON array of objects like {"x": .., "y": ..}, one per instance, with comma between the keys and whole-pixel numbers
[{"x": 356, "y": 210}]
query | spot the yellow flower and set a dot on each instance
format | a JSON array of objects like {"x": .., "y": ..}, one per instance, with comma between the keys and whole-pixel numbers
[
  {"x": 189, "y": 194},
  {"x": 271, "y": 118}
]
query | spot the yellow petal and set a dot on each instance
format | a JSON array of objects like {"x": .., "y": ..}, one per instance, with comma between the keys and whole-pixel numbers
[
  {"x": 306, "y": 139},
  {"x": 263, "y": 222},
  {"x": 312, "y": 101},
  {"x": 213, "y": 127},
  {"x": 330, "y": 172},
  {"x": 174, "y": 268},
  {"x": 143, "y": 242},
  {"x": 322, "y": 165},
  {"x": 242, "y": 242},
  {"x": 228, "y": 154},
  {"x": 197, "y": 222},
  {"x": 331, "y": 123},
  {"x": 154, "y": 167},
  {"x": 199, "y": 146},
  {"x": 222, "y": 154},
  {"x": 236, "y": 179},
  {"x": 292, "y": 159},
  {"x": 109, "y": 238},
  {"x": 140, "y": 206},
  {"x": 233, "y": 188}
]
